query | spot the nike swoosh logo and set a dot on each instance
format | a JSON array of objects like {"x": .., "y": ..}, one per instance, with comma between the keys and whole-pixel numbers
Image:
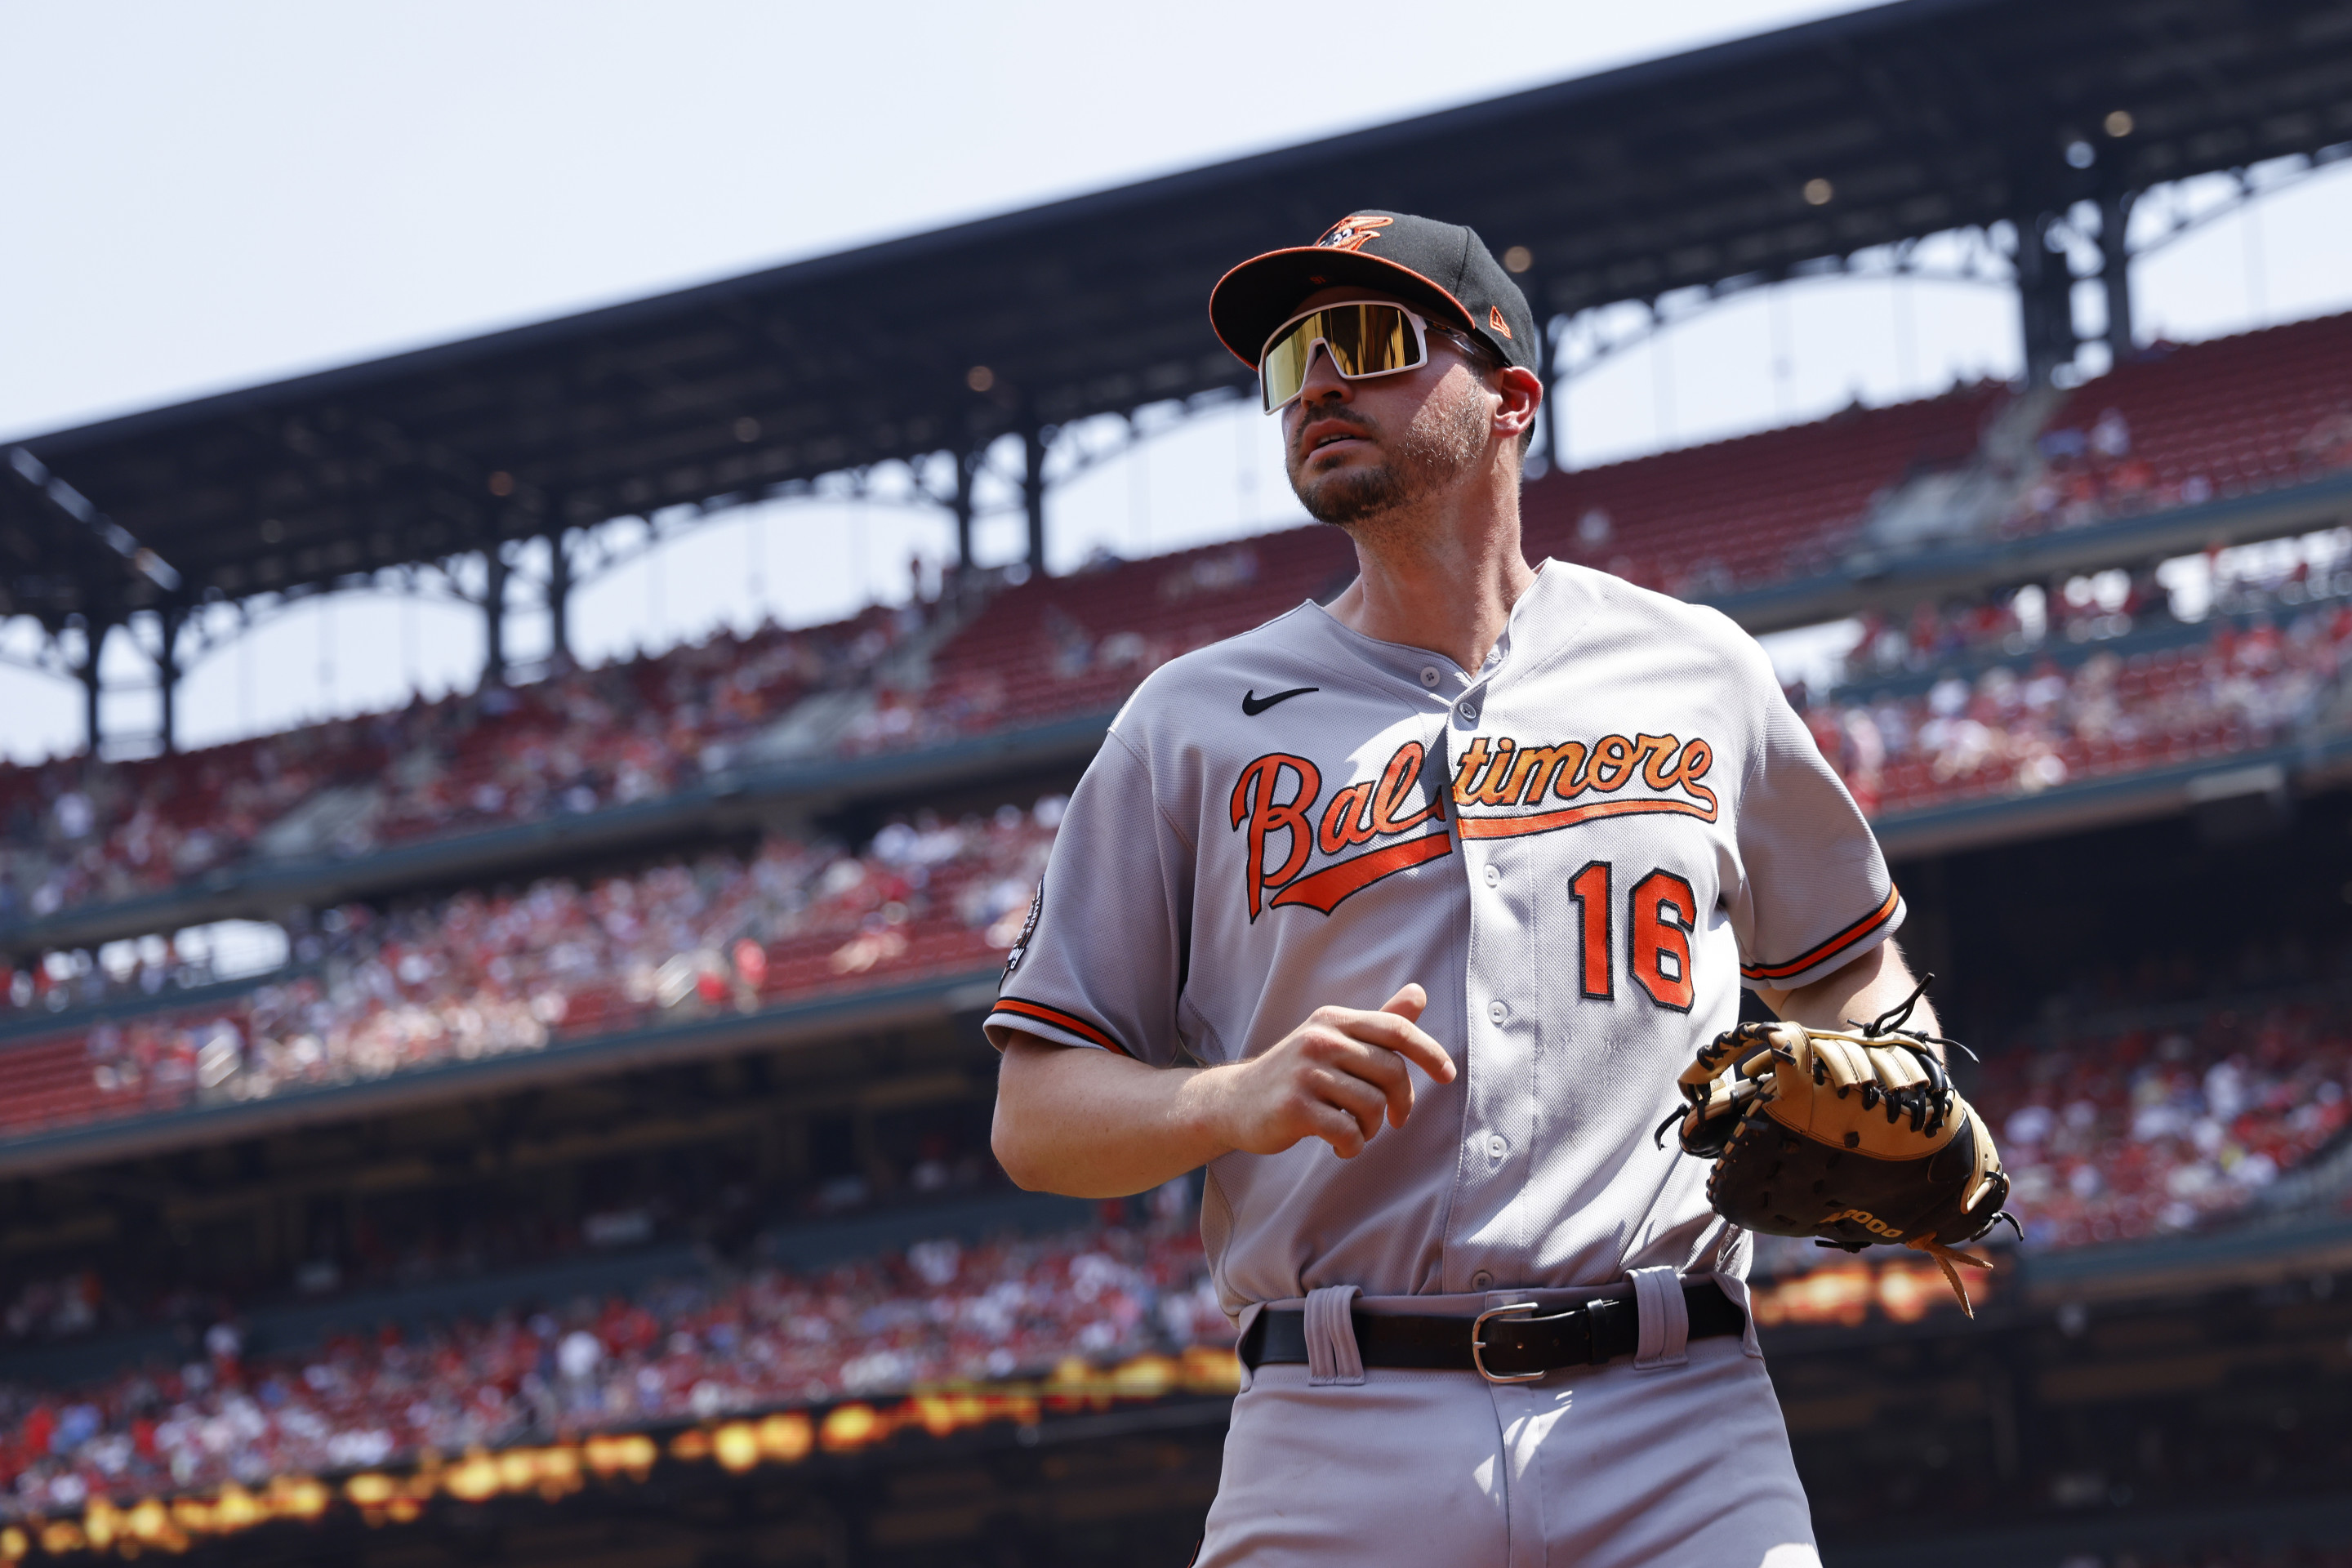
[{"x": 1252, "y": 705}]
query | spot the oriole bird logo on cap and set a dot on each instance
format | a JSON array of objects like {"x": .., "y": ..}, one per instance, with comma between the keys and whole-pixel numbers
[{"x": 1352, "y": 233}]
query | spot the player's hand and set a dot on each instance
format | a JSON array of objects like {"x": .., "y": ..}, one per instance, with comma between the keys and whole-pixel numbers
[{"x": 1336, "y": 1078}]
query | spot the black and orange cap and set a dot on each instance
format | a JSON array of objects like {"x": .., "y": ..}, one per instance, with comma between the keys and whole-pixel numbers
[{"x": 1443, "y": 268}]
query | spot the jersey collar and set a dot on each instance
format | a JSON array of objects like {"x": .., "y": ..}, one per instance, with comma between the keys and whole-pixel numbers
[{"x": 1412, "y": 666}]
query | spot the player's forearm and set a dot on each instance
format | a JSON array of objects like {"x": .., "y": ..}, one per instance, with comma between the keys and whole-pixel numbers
[
  {"x": 1089, "y": 1124},
  {"x": 1873, "y": 983}
]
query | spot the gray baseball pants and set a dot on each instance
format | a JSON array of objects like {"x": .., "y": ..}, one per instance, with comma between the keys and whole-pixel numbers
[{"x": 1677, "y": 1459}]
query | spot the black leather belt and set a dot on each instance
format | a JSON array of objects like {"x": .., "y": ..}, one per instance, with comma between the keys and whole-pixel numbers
[{"x": 1503, "y": 1345}]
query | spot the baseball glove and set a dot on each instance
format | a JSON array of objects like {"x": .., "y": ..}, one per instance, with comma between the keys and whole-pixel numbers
[{"x": 1853, "y": 1139}]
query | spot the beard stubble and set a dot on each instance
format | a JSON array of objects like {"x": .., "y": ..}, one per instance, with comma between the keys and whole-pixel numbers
[{"x": 1447, "y": 436}]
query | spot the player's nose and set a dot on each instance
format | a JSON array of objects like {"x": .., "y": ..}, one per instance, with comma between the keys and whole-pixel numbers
[
  {"x": 1324, "y": 381},
  {"x": 1323, "y": 386}
]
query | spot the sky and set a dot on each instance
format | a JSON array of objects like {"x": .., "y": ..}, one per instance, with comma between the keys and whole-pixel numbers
[{"x": 207, "y": 197}]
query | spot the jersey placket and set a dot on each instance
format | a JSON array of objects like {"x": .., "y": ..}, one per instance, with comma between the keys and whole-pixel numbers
[{"x": 1485, "y": 1224}]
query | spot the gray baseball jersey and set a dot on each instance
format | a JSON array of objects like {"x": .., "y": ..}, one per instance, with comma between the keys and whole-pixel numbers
[{"x": 1581, "y": 851}]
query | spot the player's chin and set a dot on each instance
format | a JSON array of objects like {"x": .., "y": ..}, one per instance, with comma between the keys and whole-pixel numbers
[
  {"x": 1344, "y": 491},
  {"x": 1354, "y": 453}
]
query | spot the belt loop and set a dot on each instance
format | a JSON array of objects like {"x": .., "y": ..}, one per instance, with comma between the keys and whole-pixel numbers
[
  {"x": 1662, "y": 1317},
  {"x": 1331, "y": 1354},
  {"x": 1735, "y": 1286}
]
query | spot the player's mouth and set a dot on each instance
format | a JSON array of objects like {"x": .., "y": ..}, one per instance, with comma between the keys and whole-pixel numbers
[{"x": 1331, "y": 436}]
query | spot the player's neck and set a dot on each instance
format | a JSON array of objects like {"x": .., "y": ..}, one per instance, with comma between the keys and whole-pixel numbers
[{"x": 1442, "y": 574}]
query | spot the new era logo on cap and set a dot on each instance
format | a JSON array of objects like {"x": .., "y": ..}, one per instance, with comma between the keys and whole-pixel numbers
[{"x": 1495, "y": 321}]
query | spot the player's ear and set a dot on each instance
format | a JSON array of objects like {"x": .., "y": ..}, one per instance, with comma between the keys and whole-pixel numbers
[{"x": 1522, "y": 396}]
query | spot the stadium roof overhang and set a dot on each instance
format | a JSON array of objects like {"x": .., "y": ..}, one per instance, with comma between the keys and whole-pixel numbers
[{"x": 1921, "y": 117}]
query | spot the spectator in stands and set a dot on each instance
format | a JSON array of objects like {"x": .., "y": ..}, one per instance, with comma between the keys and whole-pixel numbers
[
  {"x": 478, "y": 975},
  {"x": 2117, "y": 1135},
  {"x": 79, "y": 831},
  {"x": 2008, "y": 733},
  {"x": 681, "y": 1349},
  {"x": 2110, "y": 1133}
]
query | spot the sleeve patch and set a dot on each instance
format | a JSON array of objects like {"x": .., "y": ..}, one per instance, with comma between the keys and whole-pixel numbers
[{"x": 1028, "y": 929}]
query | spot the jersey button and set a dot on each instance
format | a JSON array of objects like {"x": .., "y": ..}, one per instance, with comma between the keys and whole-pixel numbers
[
  {"x": 1467, "y": 709},
  {"x": 1429, "y": 676},
  {"x": 1481, "y": 1281},
  {"x": 1494, "y": 876},
  {"x": 1497, "y": 1146},
  {"x": 1498, "y": 1011}
]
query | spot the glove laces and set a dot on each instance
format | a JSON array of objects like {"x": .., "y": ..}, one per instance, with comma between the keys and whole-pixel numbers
[{"x": 1946, "y": 1257}]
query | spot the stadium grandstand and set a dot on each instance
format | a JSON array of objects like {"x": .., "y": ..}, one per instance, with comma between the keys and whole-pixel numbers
[{"x": 593, "y": 1165}]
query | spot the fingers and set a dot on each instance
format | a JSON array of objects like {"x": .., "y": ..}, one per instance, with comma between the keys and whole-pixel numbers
[
  {"x": 1382, "y": 1071},
  {"x": 1343, "y": 1073},
  {"x": 1416, "y": 1045},
  {"x": 1377, "y": 1072},
  {"x": 1363, "y": 1102},
  {"x": 1408, "y": 1003},
  {"x": 1397, "y": 1032},
  {"x": 1400, "y": 1101},
  {"x": 1340, "y": 1129}
]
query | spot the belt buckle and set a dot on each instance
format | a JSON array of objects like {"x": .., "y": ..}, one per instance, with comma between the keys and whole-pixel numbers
[{"x": 1478, "y": 1346}]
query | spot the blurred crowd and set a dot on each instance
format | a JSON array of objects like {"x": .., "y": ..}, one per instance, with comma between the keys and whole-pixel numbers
[
  {"x": 2279, "y": 576},
  {"x": 2117, "y": 1135},
  {"x": 2021, "y": 731},
  {"x": 66, "y": 978},
  {"x": 1935, "y": 635},
  {"x": 1032, "y": 658},
  {"x": 679, "y": 1350},
  {"x": 2111, "y": 1131},
  {"x": 482, "y": 974},
  {"x": 695, "y": 1200},
  {"x": 2090, "y": 472},
  {"x": 77, "y": 831}
]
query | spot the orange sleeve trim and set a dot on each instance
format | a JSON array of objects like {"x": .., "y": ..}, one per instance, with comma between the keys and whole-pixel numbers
[
  {"x": 1060, "y": 1020},
  {"x": 1845, "y": 939}
]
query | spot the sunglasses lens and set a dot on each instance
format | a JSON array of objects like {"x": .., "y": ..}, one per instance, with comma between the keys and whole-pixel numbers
[
  {"x": 1365, "y": 339},
  {"x": 1282, "y": 370},
  {"x": 1370, "y": 340}
]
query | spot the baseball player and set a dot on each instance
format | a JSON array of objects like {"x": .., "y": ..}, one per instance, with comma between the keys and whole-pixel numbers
[{"x": 1401, "y": 915}]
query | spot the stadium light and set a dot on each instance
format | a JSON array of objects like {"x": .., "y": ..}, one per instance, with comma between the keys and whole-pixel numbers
[
  {"x": 2119, "y": 122},
  {"x": 1819, "y": 192},
  {"x": 1519, "y": 258}
]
